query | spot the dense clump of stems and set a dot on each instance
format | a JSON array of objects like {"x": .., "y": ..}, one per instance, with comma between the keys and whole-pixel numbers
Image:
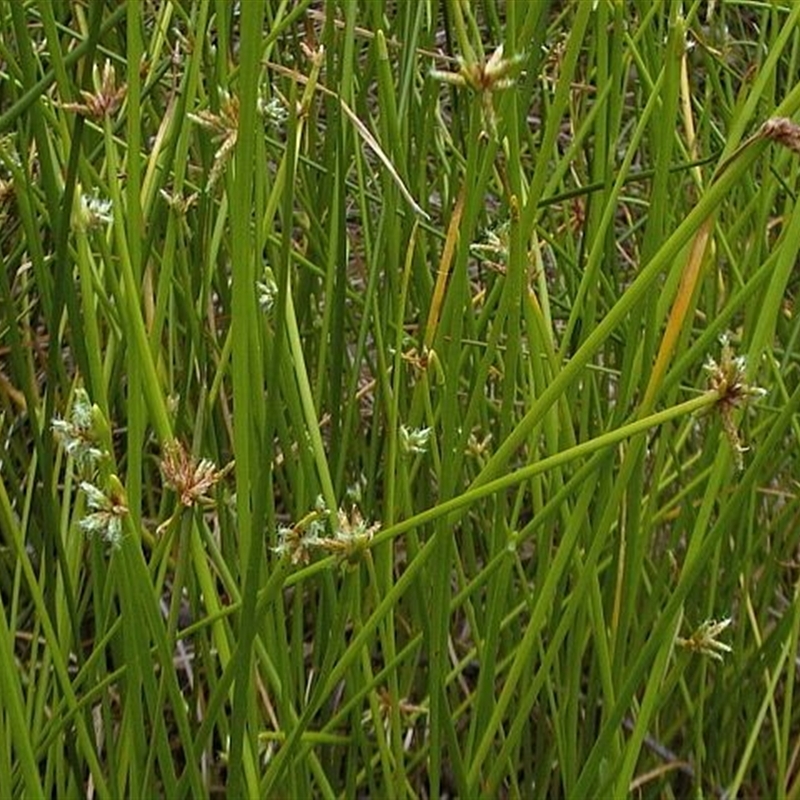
[{"x": 399, "y": 399}]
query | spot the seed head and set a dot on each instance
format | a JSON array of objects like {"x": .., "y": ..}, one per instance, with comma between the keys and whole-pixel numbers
[
  {"x": 783, "y": 131},
  {"x": 190, "y": 478},
  {"x": 704, "y": 639},
  {"x": 78, "y": 435},
  {"x": 108, "y": 510},
  {"x": 106, "y": 98},
  {"x": 728, "y": 379}
]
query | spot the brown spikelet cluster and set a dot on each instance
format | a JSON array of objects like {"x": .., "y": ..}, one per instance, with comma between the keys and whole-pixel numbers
[
  {"x": 224, "y": 127},
  {"x": 105, "y": 101},
  {"x": 350, "y": 540},
  {"x": 783, "y": 131},
  {"x": 728, "y": 379},
  {"x": 190, "y": 478}
]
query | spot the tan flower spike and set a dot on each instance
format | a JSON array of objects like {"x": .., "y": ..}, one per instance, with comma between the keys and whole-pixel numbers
[
  {"x": 484, "y": 77},
  {"x": 190, "y": 478},
  {"x": 224, "y": 127},
  {"x": 704, "y": 639},
  {"x": 728, "y": 379},
  {"x": 105, "y": 101}
]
